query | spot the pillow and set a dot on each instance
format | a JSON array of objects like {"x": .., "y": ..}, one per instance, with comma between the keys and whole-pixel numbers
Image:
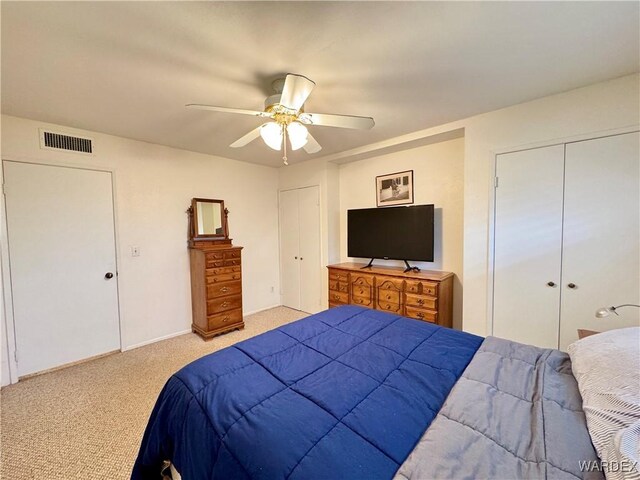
[{"x": 607, "y": 368}]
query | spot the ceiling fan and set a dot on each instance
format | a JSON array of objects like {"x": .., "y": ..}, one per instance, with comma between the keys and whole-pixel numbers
[{"x": 285, "y": 109}]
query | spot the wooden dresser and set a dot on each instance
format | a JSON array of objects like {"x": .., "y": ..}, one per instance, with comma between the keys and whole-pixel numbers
[
  {"x": 425, "y": 295},
  {"x": 216, "y": 289}
]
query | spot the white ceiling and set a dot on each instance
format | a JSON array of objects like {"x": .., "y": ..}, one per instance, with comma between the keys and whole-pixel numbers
[{"x": 128, "y": 68}]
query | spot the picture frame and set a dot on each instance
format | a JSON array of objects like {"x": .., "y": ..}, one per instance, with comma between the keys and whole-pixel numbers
[{"x": 394, "y": 189}]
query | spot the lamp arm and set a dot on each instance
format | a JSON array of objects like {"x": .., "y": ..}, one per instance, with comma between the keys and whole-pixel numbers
[{"x": 625, "y": 305}]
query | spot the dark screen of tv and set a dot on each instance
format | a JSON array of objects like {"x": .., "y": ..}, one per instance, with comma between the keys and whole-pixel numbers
[{"x": 392, "y": 233}]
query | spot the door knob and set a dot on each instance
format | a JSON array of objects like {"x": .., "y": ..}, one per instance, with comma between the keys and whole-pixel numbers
[
  {"x": 301, "y": 258},
  {"x": 295, "y": 258},
  {"x": 572, "y": 285},
  {"x": 108, "y": 275},
  {"x": 551, "y": 284}
]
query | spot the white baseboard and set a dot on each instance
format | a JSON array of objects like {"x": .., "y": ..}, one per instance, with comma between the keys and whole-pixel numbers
[
  {"x": 183, "y": 332},
  {"x": 154, "y": 340}
]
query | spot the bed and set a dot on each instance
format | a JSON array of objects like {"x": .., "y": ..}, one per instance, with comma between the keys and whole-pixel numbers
[{"x": 358, "y": 393}]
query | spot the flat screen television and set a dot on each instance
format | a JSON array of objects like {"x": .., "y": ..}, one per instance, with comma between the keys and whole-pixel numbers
[{"x": 398, "y": 233}]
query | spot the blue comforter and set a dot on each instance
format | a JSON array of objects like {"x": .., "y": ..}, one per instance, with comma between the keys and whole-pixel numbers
[{"x": 346, "y": 393}]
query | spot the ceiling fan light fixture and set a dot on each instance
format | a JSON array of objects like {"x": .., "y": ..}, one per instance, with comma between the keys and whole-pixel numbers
[
  {"x": 298, "y": 135},
  {"x": 271, "y": 133}
]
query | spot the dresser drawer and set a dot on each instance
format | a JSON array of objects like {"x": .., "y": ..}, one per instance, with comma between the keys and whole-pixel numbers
[
  {"x": 229, "y": 277},
  {"x": 222, "y": 270},
  {"x": 231, "y": 254},
  {"x": 338, "y": 297},
  {"x": 338, "y": 275},
  {"x": 389, "y": 296},
  {"x": 364, "y": 301},
  {"x": 224, "y": 319},
  {"x": 223, "y": 289},
  {"x": 422, "y": 287},
  {"x": 420, "y": 314},
  {"x": 394, "y": 285},
  {"x": 211, "y": 256},
  {"x": 421, "y": 301},
  {"x": 223, "y": 263},
  {"x": 338, "y": 286},
  {"x": 362, "y": 290},
  {"x": 223, "y": 304},
  {"x": 387, "y": 306}
]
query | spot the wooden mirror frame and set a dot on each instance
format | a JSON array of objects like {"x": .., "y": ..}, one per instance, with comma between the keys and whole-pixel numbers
[{"x": 193, "y": 221}]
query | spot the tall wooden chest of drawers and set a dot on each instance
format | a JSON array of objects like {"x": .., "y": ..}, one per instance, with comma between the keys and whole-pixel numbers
[
  {"x": 216, "y": 289},
  {"x": 425, "y": 295}
]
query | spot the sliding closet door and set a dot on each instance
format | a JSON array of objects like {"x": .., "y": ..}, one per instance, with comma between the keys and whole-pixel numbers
[
  {"x": 309, "y": 215},
  {"x": 528, "y": 241},
  {"x": 289, "y": 249},
  {"x": 601, "y": 259}
]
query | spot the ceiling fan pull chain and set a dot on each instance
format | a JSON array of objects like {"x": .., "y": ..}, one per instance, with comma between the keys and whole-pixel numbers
[{"x": 284, "y": 141}]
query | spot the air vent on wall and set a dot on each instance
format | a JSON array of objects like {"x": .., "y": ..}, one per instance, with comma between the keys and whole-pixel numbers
[{"x": 59, "y": 141}]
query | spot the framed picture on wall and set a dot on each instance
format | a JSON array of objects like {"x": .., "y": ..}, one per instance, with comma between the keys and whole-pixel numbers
[{"x": 394, "y": 189}]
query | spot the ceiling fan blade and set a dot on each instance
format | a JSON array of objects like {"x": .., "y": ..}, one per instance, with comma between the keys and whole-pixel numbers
[
  {"x": 213, "y": 108},
  {"x": 295, "y": 92},
  {"x": 312, "y": 146},
  {"x": 340, "y": 121},
  {"x": 248, "y": 138}
]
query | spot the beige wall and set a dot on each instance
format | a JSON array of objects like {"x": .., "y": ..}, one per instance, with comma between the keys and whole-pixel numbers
[
  {"x": 438, "y": 178},
  {"x": 154, "y": 186}
]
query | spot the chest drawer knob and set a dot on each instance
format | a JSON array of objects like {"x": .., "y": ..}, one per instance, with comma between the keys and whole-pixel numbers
[
  {"x": 420, "y": 315},
  {"x": 420, "y": 301},
  {"x": 224, "y": 289},
  {"x": 225, "y": 319},
  {"x": 225, "y": 304}
]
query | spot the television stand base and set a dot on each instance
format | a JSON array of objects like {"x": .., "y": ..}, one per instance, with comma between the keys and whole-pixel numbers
[
  {"x": 368, "y": 265},
  {"x": 410, "y": 268}
]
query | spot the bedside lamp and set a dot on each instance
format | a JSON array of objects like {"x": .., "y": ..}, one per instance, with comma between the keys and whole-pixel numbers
[{"x": 606, "y": 311}]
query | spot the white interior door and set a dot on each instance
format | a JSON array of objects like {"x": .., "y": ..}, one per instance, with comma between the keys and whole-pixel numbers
[
  {"x": 601, "y": 253},
  {"x": 289, "y": 249},
  {"x": 528, "y": 246},
  {"x": 310, "y": 268},
  {"x": 61, "y": 244}
]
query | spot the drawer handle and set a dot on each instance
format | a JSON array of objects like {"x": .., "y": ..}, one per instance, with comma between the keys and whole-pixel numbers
[
  {"x": 420, "y": 315},
  {"x": 215, "y": 280},
  {"x": 225, "y": 319},
  {"x": 224, "y": 289},
  {"x": 420, "y": 301},
  {"x": 336, "y": 297},
  {"x": 225, "y": 304},
  {"x": 388, "y": 297}
]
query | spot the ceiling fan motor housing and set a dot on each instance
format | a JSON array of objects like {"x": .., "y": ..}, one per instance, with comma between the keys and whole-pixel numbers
[{"x": 272, "y": 101}]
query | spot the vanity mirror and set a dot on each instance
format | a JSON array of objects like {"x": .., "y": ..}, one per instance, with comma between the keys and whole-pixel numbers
[{"x": 208, "y": 220}]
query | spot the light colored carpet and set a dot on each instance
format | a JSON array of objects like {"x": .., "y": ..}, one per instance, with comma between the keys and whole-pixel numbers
[{"x": 86, "y": 421}]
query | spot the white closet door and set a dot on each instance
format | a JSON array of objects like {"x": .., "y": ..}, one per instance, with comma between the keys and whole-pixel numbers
[
  {"x": 528, "y": 242},
  {"x": 310, "y": 273},
  {"x": 61, "y": 244},
  {"x": 289, "y": 249},
  {"x": 601, "y": 234}
]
